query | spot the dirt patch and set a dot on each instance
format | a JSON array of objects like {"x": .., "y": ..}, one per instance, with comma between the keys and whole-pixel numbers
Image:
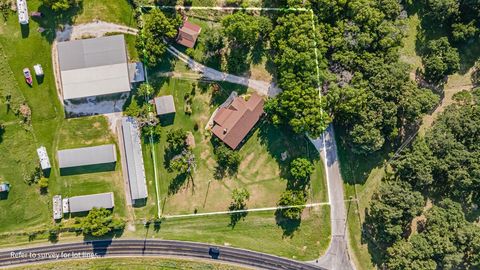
[
  {"x": 97, "y": 125},
  {"x": 246, "y": 161},
  {"x": 190, "y": 139}
]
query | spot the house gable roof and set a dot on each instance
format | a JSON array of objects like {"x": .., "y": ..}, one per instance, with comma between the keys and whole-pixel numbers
[{"x": 233, "y": 122}]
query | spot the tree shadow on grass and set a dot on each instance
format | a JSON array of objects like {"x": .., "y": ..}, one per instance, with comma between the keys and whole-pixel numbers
[
  {"x": 51, "y": 20},
  {"x": 236, "y": 216},
  {"x": 356, "y": 168},
  {"x": 279, "y": 140},
  {"x": 289, "y": 226},
  {"x": 177, "y": 183}
]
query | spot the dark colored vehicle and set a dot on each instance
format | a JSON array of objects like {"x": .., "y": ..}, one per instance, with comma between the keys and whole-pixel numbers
[{"x": 214, "y": 252}]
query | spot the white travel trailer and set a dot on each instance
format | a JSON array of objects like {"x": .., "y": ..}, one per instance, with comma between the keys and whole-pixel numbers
[{"x": 22, "y": 10}]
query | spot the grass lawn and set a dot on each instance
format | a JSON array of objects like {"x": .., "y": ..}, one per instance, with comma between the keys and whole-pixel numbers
[
  {"x": 258, "y": 231},
  {"x": 261, "y": 170},
  {"x": 115, "y": 11},
  {"x": 361, "y": 176},
  {"x": 132, "y": 264}
]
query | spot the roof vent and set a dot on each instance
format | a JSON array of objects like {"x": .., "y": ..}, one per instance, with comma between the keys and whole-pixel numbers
[{"x": 224, "y": 131}]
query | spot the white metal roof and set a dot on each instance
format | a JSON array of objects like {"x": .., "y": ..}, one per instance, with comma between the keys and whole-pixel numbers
[
  {"x": 87, "y": 202},
  {"x": 22, "y": 10},
  {"x": 134, "y": 159},
  {"x": 85, "y": 156},
  {"x": 93, "y": 67},
  {"x": 44, "y": 160}
]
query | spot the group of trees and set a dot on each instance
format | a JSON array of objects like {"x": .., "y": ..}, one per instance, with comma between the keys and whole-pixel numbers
[
  {"x": 299, "y": 106},
  {"x": 178, "y": 153},
  {"x": 294, "y": 198},
  {"x": 99, "y": 222},
  {"x": 444, "y": 166},
  {"x": 243, "y": 32},
  {"x": 156, "y": 28},
  {"x": 61, "y": 5},
  {"x": 368, "y": 90}
]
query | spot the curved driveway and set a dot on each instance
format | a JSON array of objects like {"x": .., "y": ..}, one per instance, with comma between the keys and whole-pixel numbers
[{"x": 150, "y": 248}]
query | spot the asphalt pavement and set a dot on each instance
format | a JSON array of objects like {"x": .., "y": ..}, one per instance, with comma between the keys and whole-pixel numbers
[
  {"x": 150, "y": 248},
  {"x": 336, "y": 257}
]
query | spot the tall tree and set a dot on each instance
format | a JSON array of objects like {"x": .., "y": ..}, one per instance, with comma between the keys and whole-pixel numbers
[{"x": 157, "y": 27}]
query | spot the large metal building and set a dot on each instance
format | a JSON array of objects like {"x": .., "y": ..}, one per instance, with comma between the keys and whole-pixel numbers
[
  {"x": 85, "y": 156},
  {"x": 93, "y": 67},
  {"x": 134, "y": 159}
]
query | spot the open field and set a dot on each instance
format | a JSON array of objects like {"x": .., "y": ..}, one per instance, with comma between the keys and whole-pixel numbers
[{"x": 132, "y": 264}]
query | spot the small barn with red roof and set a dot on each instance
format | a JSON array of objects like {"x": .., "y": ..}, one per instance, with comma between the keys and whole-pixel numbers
[
  {"x": 232, "y": 123},
  {"x": 188, "y": 34}
]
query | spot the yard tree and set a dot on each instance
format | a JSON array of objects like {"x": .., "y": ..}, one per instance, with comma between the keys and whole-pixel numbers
[
  {"x": 100, "y": 222},
  {"x": 43, "y": 183},
  {"x": 301, "y": 169},
  {"x": 228, "y": 160},
  {"x": 176, "y": 140},
  {"x": 241, "y": 29},
  {"x": 295, "y": 201},
  {"x": 441, "y": 59},
  {"x": 146, "y": 90},
  {"x": 183, "y": 163},
  {"x": 239, "y": 198},
  {"x": 60, "y": 5},
  {"x": 156, "y": 29}
]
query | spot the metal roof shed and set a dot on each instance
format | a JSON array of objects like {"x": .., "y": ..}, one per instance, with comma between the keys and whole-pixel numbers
[
  {"x": 165, "y": 105},
  {"x": 134, "y": 159},
  {"x": 93, "y": 67},
  {"x": 86, "y": 156},
  {"x": 88, "y": 202}
]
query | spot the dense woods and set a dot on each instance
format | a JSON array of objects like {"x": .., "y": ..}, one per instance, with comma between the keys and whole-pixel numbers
[{"x": 443, "y": 167}]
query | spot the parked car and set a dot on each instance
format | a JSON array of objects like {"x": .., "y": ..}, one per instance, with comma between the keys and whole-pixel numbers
[
  {"x": 28, "y": 76},
  {"x": 38, "y": 70},
  {"x": 214, "y": 252}
]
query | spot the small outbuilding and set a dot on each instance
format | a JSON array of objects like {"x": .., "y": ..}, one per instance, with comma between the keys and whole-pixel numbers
[
  {"x": 188, "y": 34},
  {"x": 4, "y": 187},
  {"x": 165, "y": 105},
  {"x": 38, "y": 70},
  {"x": 88, "y": 202},
  {"x": 43, "y": 157}
]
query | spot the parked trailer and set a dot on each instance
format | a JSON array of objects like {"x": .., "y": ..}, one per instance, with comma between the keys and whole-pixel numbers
[{"x": 22, "y": 11}]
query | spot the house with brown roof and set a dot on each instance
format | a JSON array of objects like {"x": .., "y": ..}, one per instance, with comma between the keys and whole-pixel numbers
[
  {"x": 188, "y": 34},
  {"x": 232, "y": 123}
]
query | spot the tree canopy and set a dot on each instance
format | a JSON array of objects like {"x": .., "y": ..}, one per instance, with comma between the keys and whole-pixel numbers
[
  {"x": 100, "y": 222},
  {"x": 157, "y": 27}
]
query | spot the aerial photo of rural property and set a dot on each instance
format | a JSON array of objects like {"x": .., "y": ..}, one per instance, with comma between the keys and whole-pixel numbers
[{"x": 240, "y": 134}]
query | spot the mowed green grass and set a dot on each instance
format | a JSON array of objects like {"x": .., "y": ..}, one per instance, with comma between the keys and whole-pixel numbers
[
  {"x": 132, "y": 264},
  {"x": 261, "y": 170},
  {"x": 258, "y": 231},
  {"x": 114, "y": 11}
]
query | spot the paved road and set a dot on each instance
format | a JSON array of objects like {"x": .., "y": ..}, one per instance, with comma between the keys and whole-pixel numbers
[
  {"x": 336, "y": 256},
  {"x": 151, "y": 248}
]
